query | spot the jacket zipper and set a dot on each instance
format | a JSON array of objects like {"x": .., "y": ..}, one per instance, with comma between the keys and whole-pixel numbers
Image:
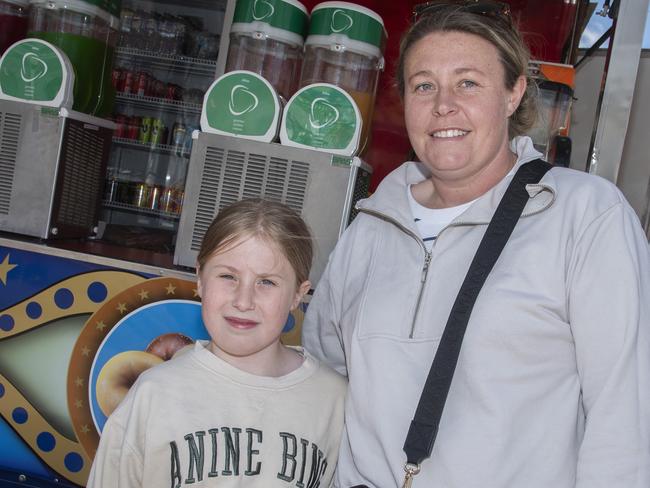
[
  {"x": 423, "y": 279},
  {"x": 425, "y": 268},
  {"x": 428, "y": 255}
]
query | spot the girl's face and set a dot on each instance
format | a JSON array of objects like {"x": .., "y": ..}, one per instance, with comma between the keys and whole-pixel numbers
[
  {"x": 247, "y": 292},
  {"x": 457, "y": 106}
]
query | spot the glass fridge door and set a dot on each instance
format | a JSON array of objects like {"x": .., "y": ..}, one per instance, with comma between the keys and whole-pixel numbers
[{"x": 165, "y": 60}]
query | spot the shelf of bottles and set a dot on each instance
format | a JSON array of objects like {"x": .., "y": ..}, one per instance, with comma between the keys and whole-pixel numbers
[
  {"x": 140, "y": 210},
  {"x": 165, "y": 104},
  {"x": 162, "y": 148},
  {"x": 165, "y": 60},
  {"x": 170, "y": 62}
]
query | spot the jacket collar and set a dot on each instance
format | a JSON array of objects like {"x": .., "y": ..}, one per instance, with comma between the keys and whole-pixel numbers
[{"x": 390, "y": 200}]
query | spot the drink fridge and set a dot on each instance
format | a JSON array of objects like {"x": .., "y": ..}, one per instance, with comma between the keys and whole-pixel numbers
[{"x": 165, "y": 59}]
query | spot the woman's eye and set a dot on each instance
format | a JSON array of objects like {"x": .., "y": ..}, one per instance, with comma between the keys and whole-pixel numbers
[
  {"x": 266, "y": 282},
  {"x": 225, "y": 276},
  {"x": 468, "y": 84},
  {"x": 423, "y": 87}
]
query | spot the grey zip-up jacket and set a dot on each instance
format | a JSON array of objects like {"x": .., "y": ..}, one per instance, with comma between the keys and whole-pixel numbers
[{"x": 552, "y": 387}]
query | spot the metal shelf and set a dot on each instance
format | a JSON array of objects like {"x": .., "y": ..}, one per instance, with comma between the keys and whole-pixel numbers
[
  {"x": 160, "y": 103},
  {"x": 185, "y": 64},
  {"x": 133, "y": 208},
  {"x": 163, "y": 148}
]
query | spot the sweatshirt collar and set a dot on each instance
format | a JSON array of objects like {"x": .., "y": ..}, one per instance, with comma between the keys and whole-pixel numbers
[{"x": 391, "y": 200}]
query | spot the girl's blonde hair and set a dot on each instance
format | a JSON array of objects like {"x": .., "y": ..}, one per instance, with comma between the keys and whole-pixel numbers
[{"x": 272, "y": 221}]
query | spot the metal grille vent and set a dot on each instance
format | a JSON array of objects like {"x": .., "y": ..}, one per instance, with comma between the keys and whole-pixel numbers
[
  {"x": 9, "y": 138},
  {"x": 208, "y": 194},
  {"x": 81, "y": 164},
  {"x": 229, "y": 176}
]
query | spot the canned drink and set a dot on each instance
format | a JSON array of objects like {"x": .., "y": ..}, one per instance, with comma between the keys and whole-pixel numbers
[
  {"x": 156, "y": 88},
  {"x": 173, "y": 92},
  {"x": 116, "y": 79},
  {"x": 153, "y": 197},
  {"x": 187, "y": 144},
  {"x": 178, "y": 134},
  {"x": 110, "y": 189},
  {"x": 142, "y": 84},
  {"x": 134, "y": 127},
  {"x": 171, "y": 200},
  {"x": 157, "y": 129},
  {"x": 127, "y": 87},
  {"x": 140, "y": 195},
  {"x": 120, "y": 125},
  {"x": 145, "y": 130},
  {"x": 126, "y": 191}
]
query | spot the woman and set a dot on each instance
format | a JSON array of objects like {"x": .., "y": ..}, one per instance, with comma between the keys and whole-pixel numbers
[{"x": 552, "y": 383}]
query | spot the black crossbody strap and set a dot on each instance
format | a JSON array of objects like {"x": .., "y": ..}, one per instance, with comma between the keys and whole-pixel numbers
[{"x": 424, "y": 426}]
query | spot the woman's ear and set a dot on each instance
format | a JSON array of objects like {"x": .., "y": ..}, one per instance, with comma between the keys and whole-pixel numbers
[
  {"x": 515, "y": 95},
  {"x": 301, "y": 292}
]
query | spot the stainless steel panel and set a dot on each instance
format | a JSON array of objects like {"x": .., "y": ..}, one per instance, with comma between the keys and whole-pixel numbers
[
  {"x": 34, "y": 171},
  {"x": 320, "y": 186}
]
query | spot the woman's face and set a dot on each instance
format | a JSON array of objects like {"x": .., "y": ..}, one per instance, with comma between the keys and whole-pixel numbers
[{"x": 457, "y": 106}]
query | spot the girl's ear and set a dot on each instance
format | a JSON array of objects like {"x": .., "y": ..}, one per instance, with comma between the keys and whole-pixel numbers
[
  {"x": 302, "y": 290},
  {"x": 198, "y": 281}
]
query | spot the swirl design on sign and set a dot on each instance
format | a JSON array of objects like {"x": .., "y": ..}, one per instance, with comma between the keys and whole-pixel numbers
[
  {"x": 32, "y": 68},
  {"x": 241, "y": 93},
  {"x": 322, "y": 113}
]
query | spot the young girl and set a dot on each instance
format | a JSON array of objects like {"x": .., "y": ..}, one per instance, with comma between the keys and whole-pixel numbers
[{"x": 241, "y": 409}]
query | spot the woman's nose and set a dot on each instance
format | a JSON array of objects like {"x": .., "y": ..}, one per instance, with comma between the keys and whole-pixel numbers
[
  {"x": 244, "y": 298},
  {"x": 444, "y": 102}
]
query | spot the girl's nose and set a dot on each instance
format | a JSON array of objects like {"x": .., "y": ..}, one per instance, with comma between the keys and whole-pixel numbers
[{"x": 244, "y": 297}]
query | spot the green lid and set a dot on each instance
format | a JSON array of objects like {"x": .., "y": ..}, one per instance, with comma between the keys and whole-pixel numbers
[
  {"x": 35, "y": 71},
  {"x": 349, "y": 24},
  {"x": 242, "y": 104},
  {"x": 282, "y": 19},
  {"x": 323, "y": 117}
]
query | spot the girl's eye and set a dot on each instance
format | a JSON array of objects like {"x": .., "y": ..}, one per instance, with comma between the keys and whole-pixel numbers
[
  {"x": 267, "y": 282},
  {"x": 423, "y": 87},
  {"x": 225, "y": 276}
]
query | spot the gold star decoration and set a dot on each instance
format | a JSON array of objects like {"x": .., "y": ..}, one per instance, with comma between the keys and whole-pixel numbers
[
  {"x": 5, "y": 267},
  {"x": 195, "y": 291},
  {"x": 121, "y": 307},
  {"x": 144, "y": 294},
  {"x": 101, "y": 325},
  {"x": 78, "y": 404},
  {"x": 79, "y": 382},
  {"x": 85, "y": 429},
  {"x": 171, "y": 289},
  {"x": 85, "y": 351}
]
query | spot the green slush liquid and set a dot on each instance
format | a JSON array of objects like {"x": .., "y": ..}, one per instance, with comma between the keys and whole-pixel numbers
[{"x": 92, "y": 61}]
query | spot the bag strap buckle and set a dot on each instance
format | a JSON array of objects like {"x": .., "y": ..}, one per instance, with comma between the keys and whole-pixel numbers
[{"x": 411, "y": 470}]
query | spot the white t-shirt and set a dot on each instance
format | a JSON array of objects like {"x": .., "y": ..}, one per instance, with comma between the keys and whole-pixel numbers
[{"x": 430, "y": 221}]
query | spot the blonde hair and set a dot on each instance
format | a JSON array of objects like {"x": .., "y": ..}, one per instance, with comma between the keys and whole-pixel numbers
[
  {"x": 513, "y": 53},
  {"x": 272, "y": 221}
]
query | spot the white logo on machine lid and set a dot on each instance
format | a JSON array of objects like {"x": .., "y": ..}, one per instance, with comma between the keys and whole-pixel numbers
[
  {"x": 330, "y": 112},
  {"x": 262, "y": 9},
  {"x": 340, "y": 21},
  {"x": 237, "y": 108},
  {"x": 32, "y": 68}
]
